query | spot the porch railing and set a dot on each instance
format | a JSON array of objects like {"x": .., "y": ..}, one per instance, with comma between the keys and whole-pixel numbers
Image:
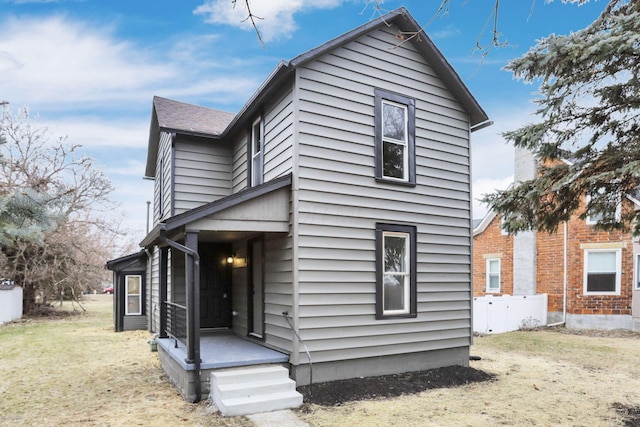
[{"x": 176, "y": 316}]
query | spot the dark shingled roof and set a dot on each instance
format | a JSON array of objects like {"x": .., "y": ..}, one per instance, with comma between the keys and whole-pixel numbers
[{"x": 176, "y": 116}]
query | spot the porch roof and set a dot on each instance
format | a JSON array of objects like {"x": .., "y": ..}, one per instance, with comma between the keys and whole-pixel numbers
[{"x": 264, "y": 208}]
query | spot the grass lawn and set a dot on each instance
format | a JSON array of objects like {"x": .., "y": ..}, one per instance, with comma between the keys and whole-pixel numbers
[{"x": 76, "y": 371}]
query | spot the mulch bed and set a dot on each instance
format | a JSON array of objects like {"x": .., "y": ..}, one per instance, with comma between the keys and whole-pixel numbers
[
  {"x": 338, "y": 392},
  {"x": 630, "y": 414}
]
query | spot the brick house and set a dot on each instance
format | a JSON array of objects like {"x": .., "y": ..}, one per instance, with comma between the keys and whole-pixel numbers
[{"x": 590, "y": 276}]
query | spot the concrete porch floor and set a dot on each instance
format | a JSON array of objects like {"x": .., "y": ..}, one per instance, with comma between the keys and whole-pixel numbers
[{"x": 223, "y": 350}]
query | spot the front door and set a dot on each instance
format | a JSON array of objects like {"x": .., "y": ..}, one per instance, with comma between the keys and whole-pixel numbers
[
  {"x": 256, "y": 288},
  {"x": 215, "y": 286}
]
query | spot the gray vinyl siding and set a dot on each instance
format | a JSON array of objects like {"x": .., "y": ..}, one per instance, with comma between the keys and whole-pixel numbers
[
  {"x": 162, "y": 187},
  {"x": 278, "y": 290},
  {"x": 202, "y": 173},
  {"x": 340, "y": 202},
  {"x": 132, "y": 323},
  {"x": 239, "y": 168},
  {"x": 278, "y": 142},
  {"x": 278, "y": 136}
]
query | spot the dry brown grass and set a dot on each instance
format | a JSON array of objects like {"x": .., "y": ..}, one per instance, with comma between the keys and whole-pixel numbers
[
  {"x": 76, "y": 371},
  {"x": 544, "y": 378}
]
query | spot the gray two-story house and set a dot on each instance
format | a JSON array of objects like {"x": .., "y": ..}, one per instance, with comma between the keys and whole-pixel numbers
[{"x": 326, "y": 227}]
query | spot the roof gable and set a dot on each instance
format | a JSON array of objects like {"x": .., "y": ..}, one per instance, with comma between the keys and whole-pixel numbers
[
  {"x": 175, "y": 116},
  {"x": 168, "y": 115},
  {"x": 407, "y": 25}
]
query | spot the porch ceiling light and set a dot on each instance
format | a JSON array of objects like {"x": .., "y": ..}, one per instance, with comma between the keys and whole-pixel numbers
[{"x": 230, "y": 260}]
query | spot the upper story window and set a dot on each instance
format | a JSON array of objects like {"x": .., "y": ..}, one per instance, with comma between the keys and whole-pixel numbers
[
  {"x": 256, "y": 153},
  {"x": 602, "y": 268},
  {"x": 396, "y": 292},
  {"x": 595, "y": 218},
  {"x": 395, "y": 137}
]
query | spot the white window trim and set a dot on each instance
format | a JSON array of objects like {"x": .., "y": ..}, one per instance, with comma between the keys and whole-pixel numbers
[
  {"x": 404, "y": 142},
  {"x": 618, "y": 271},
  {"x": 488, "y": 275},
  {"x": 406, "y": 274},
  {"x": 127, "y": 294}
]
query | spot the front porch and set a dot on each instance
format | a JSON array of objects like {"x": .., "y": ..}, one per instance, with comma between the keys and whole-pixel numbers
[
  {"x": 218, "y": 350},
  {"x": 222, "y": 350}
]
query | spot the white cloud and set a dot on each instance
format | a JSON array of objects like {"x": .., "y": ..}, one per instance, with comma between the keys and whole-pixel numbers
[
  {"x": 484, "y": 186},
  {"x": 59, "y": 61},
  {"x": 93, "y": 132},
  {"x": 276, "y": 16},
  {"x": 492, "y": 157}
]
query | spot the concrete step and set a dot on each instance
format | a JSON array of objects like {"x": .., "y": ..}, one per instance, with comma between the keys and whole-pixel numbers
[
  {"x": 256, "y": 387},
  {"x": 252, "y": 390},
  {"x": 248, "y": 374},
  {"x": 260, "y": 403}
]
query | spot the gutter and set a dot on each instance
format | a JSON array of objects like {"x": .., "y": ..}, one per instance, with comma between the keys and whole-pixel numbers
[
  {"x": 193, "y": 298},
  {"x": 481, "y": 125}
]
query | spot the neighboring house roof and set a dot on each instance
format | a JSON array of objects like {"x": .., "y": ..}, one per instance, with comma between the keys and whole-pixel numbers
[
  {"x": 479, "y": 225},
  {"x": 399, "y": 17}
]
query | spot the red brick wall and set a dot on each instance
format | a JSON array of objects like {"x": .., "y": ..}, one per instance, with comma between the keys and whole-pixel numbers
[
  {"x": 550, "y": 266},
  {"x": 492, "y": 241},
  {"x": 579, "y": 232}
]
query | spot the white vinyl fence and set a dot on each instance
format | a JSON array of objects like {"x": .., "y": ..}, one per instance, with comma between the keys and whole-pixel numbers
[
  {"x": 496, "y": 314},
  {"x": 10, "y": 303}
]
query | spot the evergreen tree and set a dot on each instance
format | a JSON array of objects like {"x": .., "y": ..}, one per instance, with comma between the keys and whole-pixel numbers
[{"x": 587, "y": 141}]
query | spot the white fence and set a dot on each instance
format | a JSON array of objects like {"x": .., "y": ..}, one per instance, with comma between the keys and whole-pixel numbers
[
  {"x": 493, "y": 315},
  {"x": 10, "y": 304}
]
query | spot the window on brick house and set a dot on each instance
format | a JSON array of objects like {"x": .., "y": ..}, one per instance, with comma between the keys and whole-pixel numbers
[
  {"x": 595, "y": 218},
  {"x": 493, "y": 275},
  {"x": 602, "y": 269}
]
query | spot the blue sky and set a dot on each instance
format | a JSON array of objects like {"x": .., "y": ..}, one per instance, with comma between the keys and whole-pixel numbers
[{"x": 89, "y": 69}]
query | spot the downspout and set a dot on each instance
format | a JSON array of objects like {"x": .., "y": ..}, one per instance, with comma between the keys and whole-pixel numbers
[
  {"x": 193, "y": 336},
  {"x": 564, "y": 280}
]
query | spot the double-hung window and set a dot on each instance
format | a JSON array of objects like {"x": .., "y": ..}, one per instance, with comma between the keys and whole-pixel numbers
[
  {"x": 493, "y": 275},
  {"x": 602, "y": 269},
  {"x": 133, "y": 294},
  {"x": 395, "y": 138},
  {"x": 396, "y": 271},
  {"x": 256, "y": 152}
]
